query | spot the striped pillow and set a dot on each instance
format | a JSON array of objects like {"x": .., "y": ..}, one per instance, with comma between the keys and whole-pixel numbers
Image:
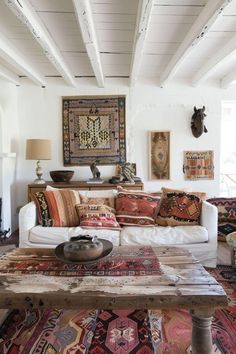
[
  {"x": 57, "y": 207},
  {"x": 97, "y": 216}
]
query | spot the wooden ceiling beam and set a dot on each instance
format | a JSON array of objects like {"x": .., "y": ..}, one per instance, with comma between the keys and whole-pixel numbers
[
  {"x": 9, "y": 75},
  {"x": 11, "y": 56},
  {"x": 228, "y": 80},
  {"x": 218, "y": 59},
  {"x": 142, "y": 23},
  {"x": 28, "y": 16},
  {"x": 86, "y": 23},
  {"x": 211, "y": 12}
]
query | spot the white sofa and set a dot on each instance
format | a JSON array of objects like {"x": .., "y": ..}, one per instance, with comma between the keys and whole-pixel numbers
[{"x": 201, "y": 240}]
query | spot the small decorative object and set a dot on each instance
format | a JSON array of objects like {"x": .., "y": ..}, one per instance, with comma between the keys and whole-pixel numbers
[
  {"x": 198, "y": 165},
  {"x": 38, "y": 149},
  {"x": 126, "y": 173},
  {"x": 95, "y": 171},
  {"x": 96, "y": 174},
  {"x": 197, "y": 122},
  {"x": 159, "y": 152},
  {"x": 93, "y": 128},
  {"x": 61, "y": 175},
  {"x": 84, "y": 248}
]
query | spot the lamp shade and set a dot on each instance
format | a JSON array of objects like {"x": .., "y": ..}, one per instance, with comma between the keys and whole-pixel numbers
[{"x": 38, "y": 149}]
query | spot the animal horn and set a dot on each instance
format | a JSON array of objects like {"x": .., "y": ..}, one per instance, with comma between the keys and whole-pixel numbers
[
  {"x": 195, "y": 109},
  {"x": 203, "y": 108}
]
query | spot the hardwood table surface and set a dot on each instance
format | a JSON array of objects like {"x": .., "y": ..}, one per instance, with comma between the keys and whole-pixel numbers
[{"x": 182, "y": 283}]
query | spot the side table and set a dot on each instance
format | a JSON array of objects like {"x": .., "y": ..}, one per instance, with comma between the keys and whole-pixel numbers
[{"x": 231, "y": 240}]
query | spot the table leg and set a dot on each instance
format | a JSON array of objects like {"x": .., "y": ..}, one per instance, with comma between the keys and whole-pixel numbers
[{"x": 201, "y": 332}]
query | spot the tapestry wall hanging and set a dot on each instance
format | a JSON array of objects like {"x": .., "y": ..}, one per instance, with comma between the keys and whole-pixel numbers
[
  {"x": 93, "y": 130},
  {"x": 198, "y": 165},
  {"x": 159, "y": 155}
]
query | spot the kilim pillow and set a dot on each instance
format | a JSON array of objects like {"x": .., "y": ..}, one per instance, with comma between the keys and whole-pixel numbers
[
  {"x": 226, "y": 209},
  {"x": 201, "y": 195},
  {"x": 57, "y": 207},
  {"x": 96, "y": 216},
  {"x": 136, "y": 208},
  {"x": 98, "y": 201},
  {"x": 179, "y": 209}
]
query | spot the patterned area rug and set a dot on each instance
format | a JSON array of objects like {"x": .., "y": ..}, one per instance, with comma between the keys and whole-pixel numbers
[
  {"x": 119, "y": 332},
  {"x": 140, "y": 261}
]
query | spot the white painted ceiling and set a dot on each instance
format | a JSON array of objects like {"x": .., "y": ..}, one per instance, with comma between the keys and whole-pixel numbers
[{"x": 160, "y": 39}]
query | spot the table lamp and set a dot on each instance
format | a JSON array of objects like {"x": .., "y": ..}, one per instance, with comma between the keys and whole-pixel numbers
[{"x": 38, "y": 149}]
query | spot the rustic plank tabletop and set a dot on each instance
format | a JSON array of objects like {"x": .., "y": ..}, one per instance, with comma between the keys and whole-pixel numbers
[{"x": 130, "y": 277}]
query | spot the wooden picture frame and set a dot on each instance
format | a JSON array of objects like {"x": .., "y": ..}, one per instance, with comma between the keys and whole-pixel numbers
[
  {"x": 93, "y": 130},
  {"x": 159, "y": 155},
  {"x": 198, "y": 165}
]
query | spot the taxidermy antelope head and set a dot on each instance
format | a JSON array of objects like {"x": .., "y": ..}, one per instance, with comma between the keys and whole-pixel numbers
[{"x": 197, "y": 122}]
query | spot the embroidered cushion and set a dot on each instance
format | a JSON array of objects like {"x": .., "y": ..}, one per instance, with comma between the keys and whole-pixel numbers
[
  {"x": 57, "y": 207},
  {"x": 109, "y": 201},
  {"x": 179, "y": 208},
  {"x": 136, "y": 208},
  {"x": 201, "y": 195},
  {"x": 226, "y": 209},
  {"x": 96, "y": 216}
]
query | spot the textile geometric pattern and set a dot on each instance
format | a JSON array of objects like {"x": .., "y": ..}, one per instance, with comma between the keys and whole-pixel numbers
[
  {"x": 97, "y": 216},
  {"x": 121, "y": 262},
  {"x": 57, "y": 207},
  {"x": 224, "y": 230},
  {"x": 226, "y": 209},
  {"x": 136, "y": 208},
  {"x": 106, "y": 201},
  {"x": 159, "y": 155},
  {"x": 149, "y": 332},
  {"x": 179, "y": 209},
  {"x": 198, "y": 165},
  {"x": 122, "y": 332},
  {"x": 94, "y": 130}
]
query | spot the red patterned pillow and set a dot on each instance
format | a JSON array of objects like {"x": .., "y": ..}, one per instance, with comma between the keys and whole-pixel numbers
[
  {"x": 57, "y": 207},
  {"x": 136, "y": 208},
  {"x": 96, "y": 216},
  {"x": 226, "y": 209},
  {"x": 179, "y": 209}
]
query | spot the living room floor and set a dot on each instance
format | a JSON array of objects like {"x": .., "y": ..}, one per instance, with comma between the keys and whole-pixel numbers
[{"x": 223, "y": 254}]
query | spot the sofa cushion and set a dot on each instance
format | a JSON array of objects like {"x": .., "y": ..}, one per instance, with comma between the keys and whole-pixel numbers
[
  {"x": 201, "y": 195},
  {"x": 99, "y": 216},
  {"x": 226, "y": 209},
  {"x": 57, "y": 207},
  {"x": 109, "y": 201},
  {"x": 53, "y": 236},
  {"x": 179, "y": 208},
  {"x": 136, "y": 208},
  {"x": 159, "y": 235}
]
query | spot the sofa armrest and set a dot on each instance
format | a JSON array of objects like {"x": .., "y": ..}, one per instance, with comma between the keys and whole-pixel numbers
[
  {"x": 27, "y": 220},
  {"x": 209, "y": 219}
]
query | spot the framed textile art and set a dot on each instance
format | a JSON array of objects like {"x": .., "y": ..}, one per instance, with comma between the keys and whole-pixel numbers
[
  {"x": 93, "y": 130},
  {"x": 159, "y": 155},
  {"x": 198, "y": 165}
]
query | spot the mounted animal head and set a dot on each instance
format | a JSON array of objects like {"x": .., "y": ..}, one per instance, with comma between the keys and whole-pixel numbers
[{"x": 197, "y": 122}]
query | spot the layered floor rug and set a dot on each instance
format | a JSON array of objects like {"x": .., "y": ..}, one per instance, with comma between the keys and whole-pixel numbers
[{"x": 119, "y": 332}]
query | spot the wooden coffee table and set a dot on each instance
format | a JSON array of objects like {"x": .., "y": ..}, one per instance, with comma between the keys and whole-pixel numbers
[{"x": 181, "y": 282}]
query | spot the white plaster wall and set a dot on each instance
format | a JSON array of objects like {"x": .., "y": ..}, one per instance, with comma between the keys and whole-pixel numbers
[
  {"x": 8, "y": 144},
  {"x": 147, "y": 108}
]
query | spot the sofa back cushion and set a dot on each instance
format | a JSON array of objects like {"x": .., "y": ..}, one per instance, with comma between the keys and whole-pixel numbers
[
  {"x": 57, "y": 207},
  {"x": 96, "y": 216},
  {"x": 179, "y": 208},
  {"x": 226, "y": 209},
  {"x": 136, "y": 208}
]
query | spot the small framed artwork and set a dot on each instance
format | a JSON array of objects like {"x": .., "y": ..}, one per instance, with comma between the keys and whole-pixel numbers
[
  {"x": 198, "y": 165},
  {"x": 159, "y": 155}
]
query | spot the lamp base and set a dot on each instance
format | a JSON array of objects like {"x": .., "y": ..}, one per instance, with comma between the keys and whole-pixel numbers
[{"x": 39, "y": 181}]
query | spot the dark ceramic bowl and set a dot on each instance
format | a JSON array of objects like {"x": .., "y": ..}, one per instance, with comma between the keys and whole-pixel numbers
[{"x": 61, "y": 175}]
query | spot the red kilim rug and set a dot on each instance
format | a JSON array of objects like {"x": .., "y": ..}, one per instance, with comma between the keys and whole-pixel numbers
[
  {"x": 119, "y": 332},
  {"x": 141, "y": 261}
]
